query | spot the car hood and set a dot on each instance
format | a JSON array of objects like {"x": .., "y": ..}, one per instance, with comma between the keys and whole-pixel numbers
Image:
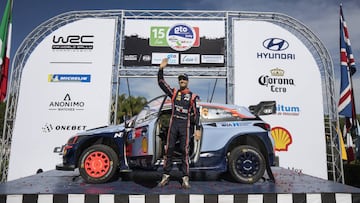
[{"x": 104, "y": 129}]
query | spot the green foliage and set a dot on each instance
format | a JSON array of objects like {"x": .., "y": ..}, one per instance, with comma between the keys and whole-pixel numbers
[{"x": 129, "y": 106}]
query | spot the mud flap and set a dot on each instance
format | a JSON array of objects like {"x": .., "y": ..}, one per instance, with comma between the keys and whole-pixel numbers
[{"x": 269, "y": 172}]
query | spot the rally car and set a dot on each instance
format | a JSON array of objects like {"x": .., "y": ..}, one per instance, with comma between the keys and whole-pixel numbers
[{"x": 234, "y": 140}]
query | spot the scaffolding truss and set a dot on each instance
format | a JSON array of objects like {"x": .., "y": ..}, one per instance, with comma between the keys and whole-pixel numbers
[{"x": 319, "y": 52}]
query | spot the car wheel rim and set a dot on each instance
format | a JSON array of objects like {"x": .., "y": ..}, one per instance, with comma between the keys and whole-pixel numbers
[
  {"x": 97, "y": 164},
  {"x": 247, "y": 164}
]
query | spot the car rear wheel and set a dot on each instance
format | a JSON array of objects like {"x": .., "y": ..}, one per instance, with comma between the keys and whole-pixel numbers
[
  {"x": 246, "y": 164},
  {"x": 98, "y": 164}
]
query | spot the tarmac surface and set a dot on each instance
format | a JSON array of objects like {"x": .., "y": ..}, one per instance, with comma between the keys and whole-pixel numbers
[{"x": 145, "y": 182}]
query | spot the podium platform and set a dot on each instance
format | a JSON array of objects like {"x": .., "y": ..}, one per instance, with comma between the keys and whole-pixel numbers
[{"x": 141, "y": 187}]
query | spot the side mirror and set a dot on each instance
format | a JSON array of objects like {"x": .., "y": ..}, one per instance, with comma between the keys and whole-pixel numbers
[
  {"x": 263, "y": 108},
  {"x": 129, "y": 123}
]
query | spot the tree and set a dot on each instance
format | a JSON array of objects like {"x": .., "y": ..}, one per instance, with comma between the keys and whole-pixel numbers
[{"x": 129, "y": 106}]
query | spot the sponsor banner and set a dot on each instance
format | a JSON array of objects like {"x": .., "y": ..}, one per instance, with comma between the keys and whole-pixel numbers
[
  {"x": 276, "y": 81},
  {"x": 69, "y": 78},
  {"x": 190, "y": 58},
  {"x": 212, "y": 59},
  {"x": 173, "y": 58},
  {"x": 282, "y": 138},
  {"x": 68, "y": 128},
  {"x": 73, "y": 42},
  {"x": 67, "y": 103},
  {"x": 179, "y": 37},
  {"x": 287, "y": 110},
  {"x": 65, "y": 88},
  {"x": 273, "y": 64},
  {"x": 191, "y": 40}
]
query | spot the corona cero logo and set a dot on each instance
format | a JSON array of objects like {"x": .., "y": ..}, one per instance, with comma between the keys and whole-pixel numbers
[
  {"x": 277, "y": 83},
  {"x": 275, "y": 44}
]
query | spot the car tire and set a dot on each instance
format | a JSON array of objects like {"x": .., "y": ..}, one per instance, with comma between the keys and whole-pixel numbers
[
  {"x": 98, "y": 164},
  {"x": 246, "y": 164}
]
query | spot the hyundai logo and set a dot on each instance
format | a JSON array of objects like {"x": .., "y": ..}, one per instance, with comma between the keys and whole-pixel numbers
[{"x": 275, "y": 44}]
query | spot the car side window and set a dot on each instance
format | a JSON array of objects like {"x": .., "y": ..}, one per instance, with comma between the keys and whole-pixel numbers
[{"x": 214, "y": 113}]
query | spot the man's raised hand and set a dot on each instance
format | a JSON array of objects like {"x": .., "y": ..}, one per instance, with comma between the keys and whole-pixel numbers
[{"x": 163, "y": 63}]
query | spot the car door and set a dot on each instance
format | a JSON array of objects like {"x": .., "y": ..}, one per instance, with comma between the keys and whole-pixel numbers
[{"x": 142, "y": 145}]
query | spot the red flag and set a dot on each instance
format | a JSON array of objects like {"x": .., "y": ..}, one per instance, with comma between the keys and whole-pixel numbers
[{"x": 5, "y": 44}]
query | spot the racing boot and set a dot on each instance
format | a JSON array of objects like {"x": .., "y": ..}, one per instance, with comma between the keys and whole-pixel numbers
[
  {"x": 185, "y": 182},
  {"x": 165, "y": 180}
]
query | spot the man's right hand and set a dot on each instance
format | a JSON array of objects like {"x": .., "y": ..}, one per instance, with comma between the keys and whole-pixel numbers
[{"x": 163, "y": 63}]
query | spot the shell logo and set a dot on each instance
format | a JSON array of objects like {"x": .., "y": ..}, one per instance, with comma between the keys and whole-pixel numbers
[{"x": 282, "y": 138}]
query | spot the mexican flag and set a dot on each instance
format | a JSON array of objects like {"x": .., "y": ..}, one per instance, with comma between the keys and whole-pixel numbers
[{"x": 5, "y": 44}]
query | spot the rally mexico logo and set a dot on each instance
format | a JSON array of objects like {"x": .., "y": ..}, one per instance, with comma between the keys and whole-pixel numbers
[{"x": 180, "y": 37}]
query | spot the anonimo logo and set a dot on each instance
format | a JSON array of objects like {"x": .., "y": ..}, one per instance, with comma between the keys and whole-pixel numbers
[{"x": 67, "y": 104}]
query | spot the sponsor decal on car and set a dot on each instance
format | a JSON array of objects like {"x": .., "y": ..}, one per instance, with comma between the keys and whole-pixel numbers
[{"x": 234, "y": 124}]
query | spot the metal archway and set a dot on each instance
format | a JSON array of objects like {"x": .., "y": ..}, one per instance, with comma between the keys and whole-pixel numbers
[{"x": 321, "y": 55}]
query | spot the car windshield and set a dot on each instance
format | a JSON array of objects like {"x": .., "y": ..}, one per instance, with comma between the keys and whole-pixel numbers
[{"x": 150, "y": 110}]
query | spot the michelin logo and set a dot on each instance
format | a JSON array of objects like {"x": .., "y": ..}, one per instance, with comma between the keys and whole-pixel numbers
[{"x": 69, "y": 78}]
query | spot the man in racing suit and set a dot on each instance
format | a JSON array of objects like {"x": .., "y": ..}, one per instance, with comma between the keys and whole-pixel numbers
[{"x": 184, "y": 109}]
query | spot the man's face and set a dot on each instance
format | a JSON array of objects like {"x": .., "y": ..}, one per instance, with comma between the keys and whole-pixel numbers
[{"x": 183, "y": 83}]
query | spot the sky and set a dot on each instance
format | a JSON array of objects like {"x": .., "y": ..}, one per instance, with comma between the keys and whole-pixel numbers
[{"x": 320, "y": 16}]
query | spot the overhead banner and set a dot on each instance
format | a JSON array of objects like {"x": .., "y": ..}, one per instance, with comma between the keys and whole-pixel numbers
[
  {"x": 65, "y": 88},
  {"x": 273, "y": 64},
  {"x": 184, "y": 42}
]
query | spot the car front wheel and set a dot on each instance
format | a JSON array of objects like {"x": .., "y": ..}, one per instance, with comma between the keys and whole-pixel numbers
[
  {"x": 98, "y": 164},
  {"x": 246, "y": 164}
]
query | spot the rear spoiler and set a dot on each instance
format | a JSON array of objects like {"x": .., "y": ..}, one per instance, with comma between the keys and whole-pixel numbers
[{"x": 263, "y": 108}]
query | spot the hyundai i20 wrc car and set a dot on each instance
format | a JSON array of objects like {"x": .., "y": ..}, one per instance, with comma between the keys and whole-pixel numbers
[{"x": 234, "y": 140}]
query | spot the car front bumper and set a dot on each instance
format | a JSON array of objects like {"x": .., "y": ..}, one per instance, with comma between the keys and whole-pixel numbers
[{"x": 63, "y": 167}]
